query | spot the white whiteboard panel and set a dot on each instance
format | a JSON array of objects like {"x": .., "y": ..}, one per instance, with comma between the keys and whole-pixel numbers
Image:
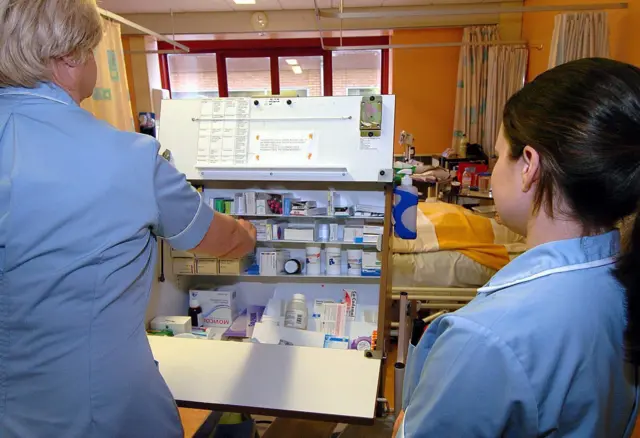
[{"x": 287, "y": 139}]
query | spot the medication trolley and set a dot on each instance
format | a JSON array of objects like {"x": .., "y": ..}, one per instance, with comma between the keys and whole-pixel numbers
[{"x": 332, "y": 157}]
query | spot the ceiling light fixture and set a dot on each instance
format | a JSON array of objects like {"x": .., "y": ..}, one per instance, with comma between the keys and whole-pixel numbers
[
  {"x": 297, "y": 69},
  {"x": 292, "y": 61},
  {"x": 244, "y": 2}
]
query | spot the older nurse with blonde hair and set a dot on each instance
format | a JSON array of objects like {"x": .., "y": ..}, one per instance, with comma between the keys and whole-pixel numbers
[{"x": 81, "y": 207}]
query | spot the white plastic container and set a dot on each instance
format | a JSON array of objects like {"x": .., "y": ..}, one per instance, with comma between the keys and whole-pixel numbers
[
  {"x": 313, "y": 260},
  {"x": 354, "y": 262},
  {"x": 466, "y": 181},
  {"x": 297, "y": 315},
  {"x": 334, "y": 260}
]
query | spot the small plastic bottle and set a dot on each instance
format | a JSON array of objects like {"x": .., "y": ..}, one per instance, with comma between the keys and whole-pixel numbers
[
  {"x": 466, "y": 181},
  {"x": 195, "y": 312},
  {"x": 405, "y": 208},
  {"x": 297, "y": 314},
  {"x": 462, "y": 146}
]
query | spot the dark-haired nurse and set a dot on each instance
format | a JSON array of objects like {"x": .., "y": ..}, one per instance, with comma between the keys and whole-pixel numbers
[{"x": 549, "y": 347}]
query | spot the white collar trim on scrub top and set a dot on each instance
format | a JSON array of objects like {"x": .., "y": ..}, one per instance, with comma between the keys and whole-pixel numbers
[
  {"x": 569, "y": 268},
  {"x": 27, "y": 93}
]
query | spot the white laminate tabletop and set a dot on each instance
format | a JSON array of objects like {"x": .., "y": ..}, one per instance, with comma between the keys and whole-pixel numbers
[{"x": 278, "y": 380}]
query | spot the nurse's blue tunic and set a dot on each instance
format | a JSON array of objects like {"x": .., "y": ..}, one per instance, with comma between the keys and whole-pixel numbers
[
  {"x": 81, "y": 205},
  {"x": 538, "y": 353}
]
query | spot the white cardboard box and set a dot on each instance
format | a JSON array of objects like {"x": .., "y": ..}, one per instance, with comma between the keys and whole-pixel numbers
[
  {"x": 184, "y": 266},
  {"x": 352, "y": 234},
  {"x": 303, "y": 234},
  {"x": 233, "y": 266},
  {"x": 371, "y": 260},
  {"x": 268, "y": 333},
  {"x": 181, "y": 254},
  {"x": 218, "y": 306},
  {"x": 177, "y": 324},
  {"x": 373, "y": 229},
  {"x": 272, "y": 262},
  {"x": 207, "y": 266}
]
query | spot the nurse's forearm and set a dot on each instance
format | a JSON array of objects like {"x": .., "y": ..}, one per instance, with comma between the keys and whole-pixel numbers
[{"x": 227, "y": 237}]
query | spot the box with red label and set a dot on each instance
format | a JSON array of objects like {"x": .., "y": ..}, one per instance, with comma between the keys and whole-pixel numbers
[
  {"x": 218, "y": 306},
  {"x": 474, "y": 168}
]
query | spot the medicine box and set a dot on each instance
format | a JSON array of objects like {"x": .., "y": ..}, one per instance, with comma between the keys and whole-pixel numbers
[
  {"x": 218, "y": 306},
  {"x": 177, "y": 324},
  {"x": 181, "y": 254},
  {"x": 300, "y": 234},
  {"x": 333, "y": 232},
  {"x": 353, "y": 234},
  {"x": 184, "y": 266},
  {"x": 373, "y": 229},
  {"x": 371, "y": 263},
  {"x": 250, "y": 203},
  {"x": 272, "y": 262},
  {"x": 233, "y": 266},
  {"x": 207, "y": 266},
  {"x": 371, "y": 238}
]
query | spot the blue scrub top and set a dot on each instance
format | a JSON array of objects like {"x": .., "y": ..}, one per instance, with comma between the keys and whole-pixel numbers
[
  {"x": 538, "y": 353},
  {"x": 81, "y": 205}
]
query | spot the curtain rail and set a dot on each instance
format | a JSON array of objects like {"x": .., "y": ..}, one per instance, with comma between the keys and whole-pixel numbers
[
  {"x": 524, "y": 44},
  {"x": 402, "y": 13},
  {"x": 115, "y": 17}
]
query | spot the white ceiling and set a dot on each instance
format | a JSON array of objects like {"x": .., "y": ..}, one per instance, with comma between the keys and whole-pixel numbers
[{"x": 165, "y": 6}]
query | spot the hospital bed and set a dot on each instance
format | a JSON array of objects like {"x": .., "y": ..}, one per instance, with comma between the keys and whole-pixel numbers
[{"x": 454, "y": 253}]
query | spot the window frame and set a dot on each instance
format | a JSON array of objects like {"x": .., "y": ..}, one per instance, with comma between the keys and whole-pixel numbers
[
  {"x": 358, "y": 88},
  {"x": 275, "y": 49}
]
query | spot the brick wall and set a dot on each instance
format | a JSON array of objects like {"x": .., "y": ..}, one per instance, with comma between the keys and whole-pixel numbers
[
  {"x": 356, "y": 78},
  {"x": 309, "y": 79}
]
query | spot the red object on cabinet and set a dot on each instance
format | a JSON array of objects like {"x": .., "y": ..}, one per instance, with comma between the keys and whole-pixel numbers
[{"x": 479, "y": 168}]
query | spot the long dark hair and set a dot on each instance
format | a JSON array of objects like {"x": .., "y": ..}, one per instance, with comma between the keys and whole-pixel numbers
[{"x": 583, "y": 119}]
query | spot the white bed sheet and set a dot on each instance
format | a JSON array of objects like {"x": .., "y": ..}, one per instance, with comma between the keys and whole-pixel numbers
[{"x": 438, "y": 269}]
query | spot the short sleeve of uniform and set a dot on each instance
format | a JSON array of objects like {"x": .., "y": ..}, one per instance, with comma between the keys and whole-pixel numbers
[
  {"x": 471, "y": 385},
  {"x": 183, "y": 216}
]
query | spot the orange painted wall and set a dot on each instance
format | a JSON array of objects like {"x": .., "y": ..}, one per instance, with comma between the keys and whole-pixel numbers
[
  {"x": 537, "y": 28},
  {"x": 631, "y": 52},
  {"x": 424, "y": 82}
]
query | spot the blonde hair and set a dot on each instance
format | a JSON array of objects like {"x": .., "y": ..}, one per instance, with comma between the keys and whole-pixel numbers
[{"x": 35, "y": 32}]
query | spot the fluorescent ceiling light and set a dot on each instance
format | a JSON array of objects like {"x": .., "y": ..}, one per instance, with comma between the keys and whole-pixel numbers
[
  {"x": 297, "y": 69},
  {"x": 292, "y": 61},
  {"x": 244, "y": 2}
]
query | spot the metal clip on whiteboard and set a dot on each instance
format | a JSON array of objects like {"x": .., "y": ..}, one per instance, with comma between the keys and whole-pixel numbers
[
  {"x": 371, "y": 116},
  {"x": 276, "y": 173}
]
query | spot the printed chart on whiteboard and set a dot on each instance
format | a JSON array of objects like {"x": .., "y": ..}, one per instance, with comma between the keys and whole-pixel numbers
[
  {"x": 290, "y": 147},
  {"x": 223, "y": 136}
]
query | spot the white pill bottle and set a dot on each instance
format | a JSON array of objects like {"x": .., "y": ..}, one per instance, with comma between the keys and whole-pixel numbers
[{"x": 296, "y": 314}]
